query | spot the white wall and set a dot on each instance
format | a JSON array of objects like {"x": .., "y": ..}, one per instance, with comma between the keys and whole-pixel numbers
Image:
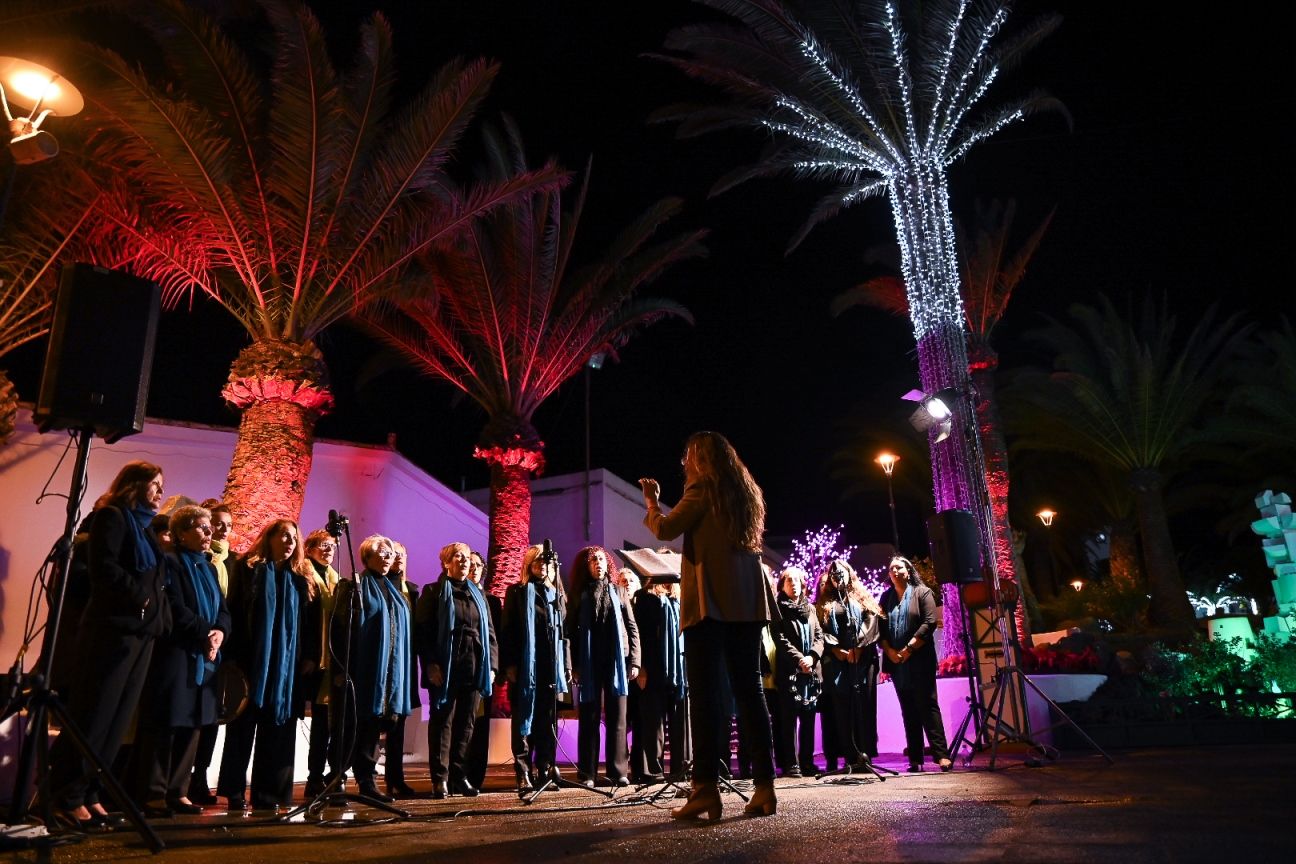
[{"x": 558, "y": 512}]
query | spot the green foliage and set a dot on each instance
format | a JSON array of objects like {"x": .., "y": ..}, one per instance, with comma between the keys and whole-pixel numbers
[
  {"x": 1124, "y": 605},
  {"x": 1210, "y": 667}
]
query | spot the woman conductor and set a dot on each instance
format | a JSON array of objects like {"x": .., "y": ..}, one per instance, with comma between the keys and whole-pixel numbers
[{"x": 725, "y": 601}]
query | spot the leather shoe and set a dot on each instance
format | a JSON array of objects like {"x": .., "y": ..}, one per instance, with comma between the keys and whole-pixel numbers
[
  {"x": 157, "y": 811},
  {"x": 180, "y": 807},
  {"x": 199, "y": 793},
  {"x": 461, "y": 786},
  {"x": 438, "y": 790},
  {"x": 946, "y": 765},
  {"x": 314, "y": 787},
  {"x": 401, "y": 789},
  {"x": 621, "y": 782},
  {"x": 370, "y": 790},
  {"x": 237, "y": 803}
]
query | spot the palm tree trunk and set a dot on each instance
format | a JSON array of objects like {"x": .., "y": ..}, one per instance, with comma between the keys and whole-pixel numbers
[
  {"x": 983, "y": 364},
  {"x": 8, "y": 407},
  {"x": 510, "y": 523},
  {"x": 1169, "y": 607},
  {"x": 1123, "y": 555},
  {"x": 278, "y": 387},
  {"x": 925, "y": 231}
]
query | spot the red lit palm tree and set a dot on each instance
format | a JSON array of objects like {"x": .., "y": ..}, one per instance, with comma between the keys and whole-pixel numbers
[
  {"x": 991, "y": 273},
  {"x": 287, "y": 191},
  {"x": 509, "y": 319}
]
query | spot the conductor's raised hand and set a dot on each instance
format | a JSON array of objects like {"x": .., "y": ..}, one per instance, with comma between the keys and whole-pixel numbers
[{"x": 651, "y": 491}]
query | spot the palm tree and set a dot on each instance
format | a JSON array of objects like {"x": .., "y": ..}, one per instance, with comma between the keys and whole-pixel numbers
[
  {"x": 1131, "y": 397},
  {"x": 989, "y": 283},
  {"x": 44, "y": 228},
  {"x": 509, "y": 320},
  {"x": 878, "y": 98},
  {"x": 288, "y": 192}
]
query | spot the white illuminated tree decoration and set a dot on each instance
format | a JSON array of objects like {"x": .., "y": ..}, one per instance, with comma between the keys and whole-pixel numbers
[{"x": 880, "y": 98}]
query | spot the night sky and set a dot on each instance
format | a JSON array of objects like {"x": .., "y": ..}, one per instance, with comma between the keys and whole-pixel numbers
[{"x": 1175, "y": 179}]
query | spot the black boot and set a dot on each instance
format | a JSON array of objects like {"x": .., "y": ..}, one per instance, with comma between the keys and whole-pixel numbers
[{"x": 522, "y": 771}]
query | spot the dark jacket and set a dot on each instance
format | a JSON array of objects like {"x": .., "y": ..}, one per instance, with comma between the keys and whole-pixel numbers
[
  {"x": 172, "y": 695},
  {"x": 120, "y": 597},
  {"x": 718, "y": 581},
  {"x": 512, "y": 631},
  {"x": 650, "y": 619},
  {"x": 787, "y": 643},
  {"x": 342, "y": 648},
  {"x": 629, "y": 628},
  {"x": 429, "y": 643},
  {"x": 922, "y": 610}
]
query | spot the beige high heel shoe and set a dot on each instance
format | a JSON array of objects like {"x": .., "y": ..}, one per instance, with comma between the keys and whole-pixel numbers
[
  {"x": 705, "y": 798},
  {"x": 763, "y": 802}
]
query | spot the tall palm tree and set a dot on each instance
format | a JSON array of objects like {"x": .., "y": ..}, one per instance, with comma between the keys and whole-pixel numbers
[
  {"x": 287, "y": 191},
  {"x": 510, "y": 319},
  {"x": 1132, "y": 397},
  {"x": 878, "y": 98},
  {"x": 990, "y": 278}
]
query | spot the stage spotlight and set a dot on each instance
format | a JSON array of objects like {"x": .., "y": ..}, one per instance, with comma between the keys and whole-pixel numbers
[
  {"x": 22, "y": 84},
  {"x": 936, "y": 410}
]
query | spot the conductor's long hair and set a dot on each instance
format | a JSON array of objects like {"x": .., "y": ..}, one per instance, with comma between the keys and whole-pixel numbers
[{"x": 736, "y": 498}]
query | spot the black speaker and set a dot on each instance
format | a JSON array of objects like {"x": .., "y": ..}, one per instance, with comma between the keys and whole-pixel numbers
[
  {"x": 100, "y": 353},
  {"x": 955, "y": 546}
]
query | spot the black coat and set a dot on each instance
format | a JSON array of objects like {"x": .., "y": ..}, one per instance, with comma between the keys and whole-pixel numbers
[
  {"x": 650, "y": 622},
  {"x": 629, "y": 642},
  {"x": 512, "y": 630},
  {"x": 340, "y": 644},
  {"x": 172, "y": 696},
  {"x": 429, "y": 643},
  {"x": 122, "y": 598}
]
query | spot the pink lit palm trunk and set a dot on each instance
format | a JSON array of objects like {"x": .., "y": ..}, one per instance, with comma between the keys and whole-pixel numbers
[
  {"x": 984, "y": 362},
  {"x": 925, "y": 231},
  {"x": 272, "y": 461},
  {"x": 510, "y": 523}
]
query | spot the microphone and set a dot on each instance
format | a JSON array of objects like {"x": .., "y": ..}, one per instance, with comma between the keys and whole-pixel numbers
[{"x": 547, "y": 552}]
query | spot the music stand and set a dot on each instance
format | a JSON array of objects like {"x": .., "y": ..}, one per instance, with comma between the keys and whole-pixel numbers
[{"x": 40, "y": 701}]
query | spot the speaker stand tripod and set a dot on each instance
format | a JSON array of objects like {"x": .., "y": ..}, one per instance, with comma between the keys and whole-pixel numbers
[{"x": 41, "y": 702}]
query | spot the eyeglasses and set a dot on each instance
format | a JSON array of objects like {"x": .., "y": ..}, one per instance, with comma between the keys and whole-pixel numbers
[
  {"x": 385, "y": 553},
  {"x": 326, "y": 547}
]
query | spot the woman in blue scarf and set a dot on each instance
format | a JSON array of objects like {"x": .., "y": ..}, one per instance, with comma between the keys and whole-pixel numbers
[
  {"x": 535, "y": 663},
  {"x": 456, "y": 645},
  {"x": 605, "y": 658},
  {"x": 374, "y": 656},
  {"x": 181, "y": 697},
  {"x": 909, "y": 609},
  {"x": 663, "y": 692},
  {"x": 394, "y": 738},
  {"x": 851, "y": 621},
  {"x": 272, "y": 593},
  {"x": 126, "y": 612}
]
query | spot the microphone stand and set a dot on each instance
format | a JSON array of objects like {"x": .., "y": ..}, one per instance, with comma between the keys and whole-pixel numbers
[{"x": 333, "y": 792}]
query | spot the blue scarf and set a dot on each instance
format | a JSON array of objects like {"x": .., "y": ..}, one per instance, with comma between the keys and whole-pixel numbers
[
  {"x": 385, "y": 621},
  {"x": 274, "y": 648},
  {"x": 138, "y": 520},
  {"x": 589, "y": 688},
  {"x": 202, "y": 577},
  {"x": 901, "y": 628},
  {"x": 672, "y": 645},
  {"x": 524, "y": 699},
  {"x": 443, "y": 655}
]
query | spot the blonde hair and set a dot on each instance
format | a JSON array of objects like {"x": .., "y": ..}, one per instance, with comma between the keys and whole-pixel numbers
[{"x": 373, "y": 543}]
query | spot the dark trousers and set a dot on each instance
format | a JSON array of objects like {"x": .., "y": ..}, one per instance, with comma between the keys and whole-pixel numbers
[
  {"x": 103, "y": 703},
  {"x": 719, "y": 650},
  {"x": 538, "y": 749},
  {"x": 318, "y": 755},
  {"x": 660, "y": 712},
  {"x": 449, "y": 730},
  {"x": 796, "y": 733},
  {"x": 270, "y": 747},
  {"x": 854, "y": 710},
  {"x": 163, "y": 758},
  {"x": 203, "y": 757},
  {"x": 360, "y": 744},
  {"x": 479, "y": 744},
  {"x": 921, "y": 712},
  {"x": 394, "y": 766},
  {"x": 587, "y": 736}
]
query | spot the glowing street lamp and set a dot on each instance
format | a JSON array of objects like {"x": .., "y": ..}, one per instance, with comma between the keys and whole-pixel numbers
[
  {"x": 1077, "y": 584},
  {"x": 1046, "y": 516},
  {"x": 24, "y": 84},
  {"x": 888, "y": 462}
]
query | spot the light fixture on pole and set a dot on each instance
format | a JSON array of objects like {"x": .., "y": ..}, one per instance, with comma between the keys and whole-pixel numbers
[
  {"x": 1046, "y": 516},
  {"x": 43, "y": 92},
  {"x": 888, "y": 462},
  {"x": 936, "y": 410}
]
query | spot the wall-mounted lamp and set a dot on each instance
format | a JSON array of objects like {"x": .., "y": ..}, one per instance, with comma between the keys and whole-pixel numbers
[{"x": 43, "y": 92}]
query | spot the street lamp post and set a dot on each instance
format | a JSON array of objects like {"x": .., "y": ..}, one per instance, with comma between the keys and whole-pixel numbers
[{"x": 888, "y": 462}]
